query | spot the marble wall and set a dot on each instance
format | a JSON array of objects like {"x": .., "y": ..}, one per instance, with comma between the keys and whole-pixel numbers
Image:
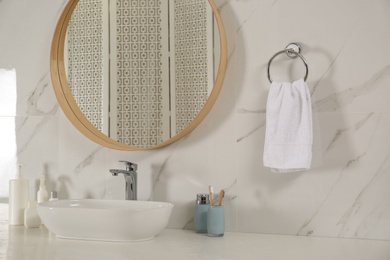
[{"x": 345, "y": 194}]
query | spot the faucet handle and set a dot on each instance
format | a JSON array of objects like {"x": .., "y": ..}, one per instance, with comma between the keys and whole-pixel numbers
[{"x": 130, "y": 166}]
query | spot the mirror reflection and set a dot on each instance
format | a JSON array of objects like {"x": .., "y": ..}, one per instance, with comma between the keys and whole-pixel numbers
[{"x": 141, "y": 70}]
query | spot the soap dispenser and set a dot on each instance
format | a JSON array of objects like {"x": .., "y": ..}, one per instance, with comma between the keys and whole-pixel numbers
[
  {"x": 18, "y": 198},
  {"x": 42, "y": 194},
  {"x": 201, "y": 208}
]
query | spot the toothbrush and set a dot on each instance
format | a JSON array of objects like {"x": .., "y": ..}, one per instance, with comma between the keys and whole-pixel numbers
[
  {"x": 221, "y": 195},
  {"x": 211, "y": 190}
]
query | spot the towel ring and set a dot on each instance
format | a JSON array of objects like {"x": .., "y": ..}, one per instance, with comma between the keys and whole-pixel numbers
[{"x": 292, "y": 50}]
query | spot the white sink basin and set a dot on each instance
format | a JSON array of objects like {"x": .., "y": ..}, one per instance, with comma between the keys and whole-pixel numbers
[{"x": 105, "y": 220}]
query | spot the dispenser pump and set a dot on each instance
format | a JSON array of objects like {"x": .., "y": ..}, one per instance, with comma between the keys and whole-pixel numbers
[
  {"x": 42, "y": 194},
  {"x": 42, "y": 182},
  {"x": 19, "y": 172}
]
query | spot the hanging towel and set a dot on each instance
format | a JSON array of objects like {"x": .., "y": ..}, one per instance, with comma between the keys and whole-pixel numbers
[{"x": 289, "y": 127}]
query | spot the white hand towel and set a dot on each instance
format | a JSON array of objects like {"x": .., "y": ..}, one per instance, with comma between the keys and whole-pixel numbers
[{"x": 289, "y": 127}]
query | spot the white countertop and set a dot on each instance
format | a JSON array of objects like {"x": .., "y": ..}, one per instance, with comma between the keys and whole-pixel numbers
[{"x": 17, "y": 242}]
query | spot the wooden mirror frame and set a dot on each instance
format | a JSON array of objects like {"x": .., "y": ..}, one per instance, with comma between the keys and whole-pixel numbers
[{"x": 73, "y": 112}]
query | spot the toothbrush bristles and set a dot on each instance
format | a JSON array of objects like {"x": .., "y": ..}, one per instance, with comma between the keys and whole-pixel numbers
[{"x": 211, "y": 190}]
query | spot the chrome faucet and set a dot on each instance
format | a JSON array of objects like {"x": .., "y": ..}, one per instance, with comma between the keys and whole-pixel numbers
[{"x": 130, "y": 177}]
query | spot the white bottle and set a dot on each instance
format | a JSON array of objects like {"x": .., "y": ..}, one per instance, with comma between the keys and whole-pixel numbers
[
  {"x": 18, "y": 198},
  {"x": 31, "y": 216},
  {"x": 42, "y": 194}
]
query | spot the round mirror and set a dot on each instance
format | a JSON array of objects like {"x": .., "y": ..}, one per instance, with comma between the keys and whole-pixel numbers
[{"x": 138, "y": 74}]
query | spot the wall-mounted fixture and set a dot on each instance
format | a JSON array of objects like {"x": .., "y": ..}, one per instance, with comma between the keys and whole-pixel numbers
[{"x": 292, "y": 50}]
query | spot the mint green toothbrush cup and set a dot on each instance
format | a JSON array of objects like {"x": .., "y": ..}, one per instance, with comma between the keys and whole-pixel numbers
[{"x": 216, "y": 221}]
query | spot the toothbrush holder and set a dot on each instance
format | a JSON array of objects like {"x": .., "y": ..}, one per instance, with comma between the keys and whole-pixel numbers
[{"x": 216, "y": 221}]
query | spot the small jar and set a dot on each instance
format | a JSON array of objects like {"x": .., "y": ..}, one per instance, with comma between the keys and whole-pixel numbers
[
  {"x": 201, "y": 208},
  {"x": 53, "y": 195},
  {"x": 31, "y": 216}
]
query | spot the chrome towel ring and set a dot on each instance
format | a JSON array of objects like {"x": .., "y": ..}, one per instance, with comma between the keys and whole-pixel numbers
[{"x": 292, "y": 50}]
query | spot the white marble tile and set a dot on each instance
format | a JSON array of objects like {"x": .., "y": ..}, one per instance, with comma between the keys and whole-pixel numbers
[
  {"x": 358, "y": 198},
  {"x": 360, "y": 88},
  {"x": 289, "y": 22},
  {"x": 28, "y": 28},
  {"x": 226, "y": 100},
  {"x": 37, "y": 149},
  {"x": 81, "y": 164},
  {"x": 327, "y": 201}
]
